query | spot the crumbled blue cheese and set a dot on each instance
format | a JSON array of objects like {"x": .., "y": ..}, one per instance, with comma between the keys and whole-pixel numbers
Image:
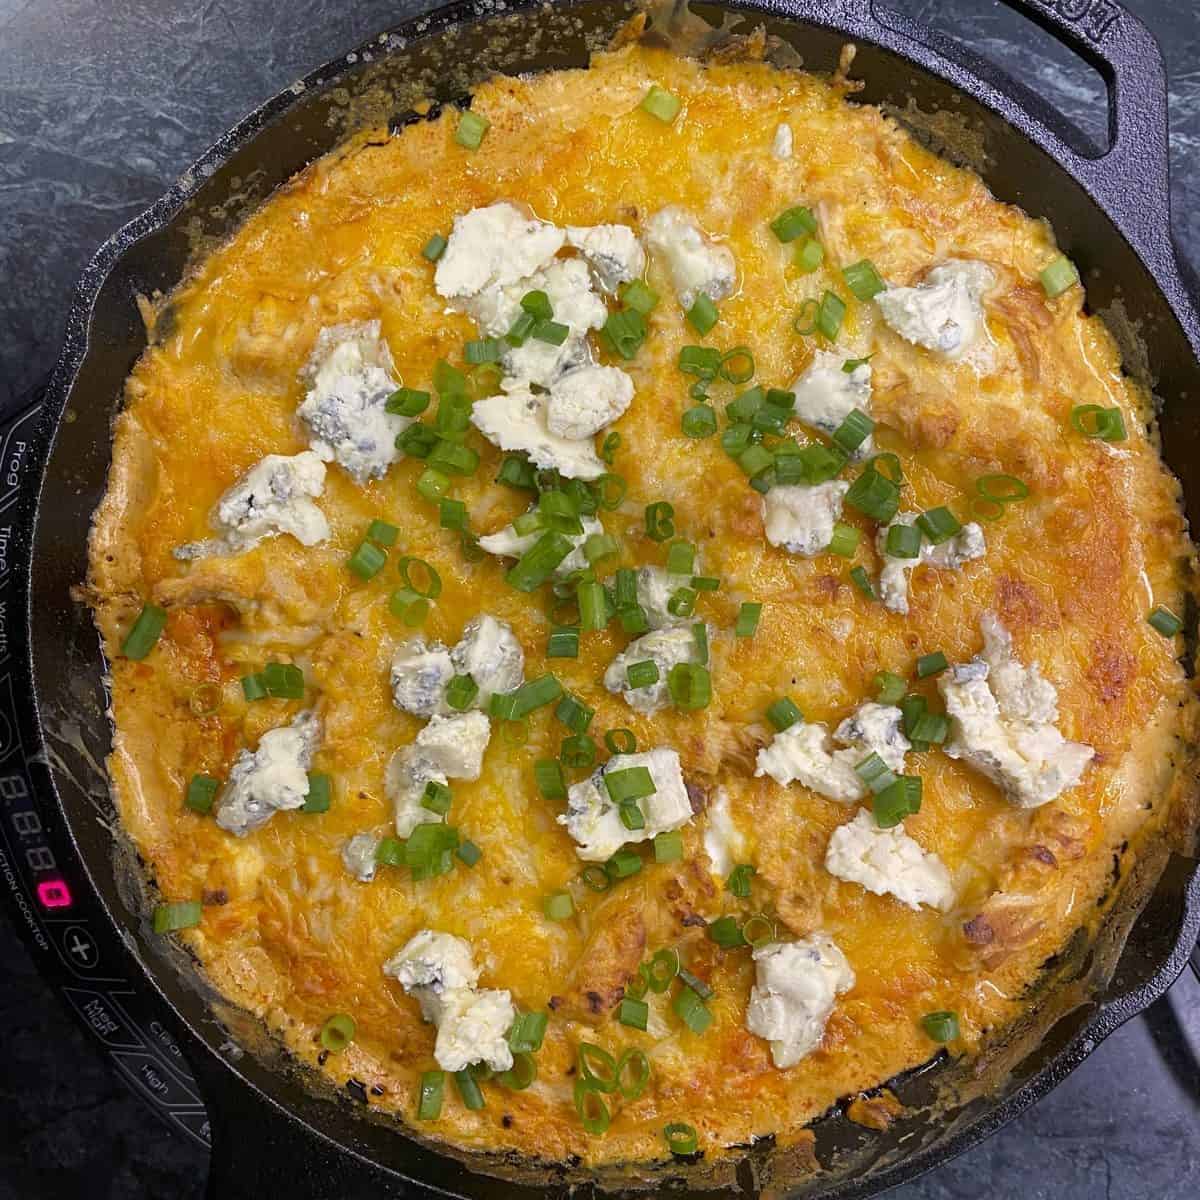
[
  {"x": 945, "y": 312},
  {"x": 665, "y": 648},
  {"x": 1003, "y": 721},
  {"x": 800, "y": 517},
  {"x": 272, "y": 498},
  {"x": 358, "y": 856},
  {"x": 508, "y": 543},
  {"x": 697, "y": 264},
  {"x": 795, "y": 987},
  {"x": 594, "y": 820},
  {"x": 781, "y": 143},
  {"x": 449, "y": 747},
  {"x": 351, "y": 375},
  {"x": 724, "y": 842},
  {"x": 612, "y": 251},
  {"x": 420, "y": 672},
  {"x": 516, "y": 420},
  {"x": 804, "y": 752},
  {"x": 826, "y": 394},
  {"x": 439, "y": 970},
  {"x": 490, "y": 653},
  {"x": 493, "y": 247},
  {"x": 655, "y": 587},
  {"x": 963, "y": 547},
  {"x": 887, "y": 862},
  {"x": 271, "y": 779},
  {"x": 585, "y": 400}
]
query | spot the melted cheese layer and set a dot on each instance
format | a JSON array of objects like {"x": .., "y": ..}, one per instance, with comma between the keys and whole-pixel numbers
[{"x": 289, "y": 935}]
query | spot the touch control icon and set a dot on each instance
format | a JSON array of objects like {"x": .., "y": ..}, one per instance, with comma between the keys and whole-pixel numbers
[{"x": 80, "y": 947}]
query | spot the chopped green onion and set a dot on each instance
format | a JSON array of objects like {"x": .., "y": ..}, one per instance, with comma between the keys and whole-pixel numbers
[
  {"x": 903, "y": 541},
  {"x": 144, "y": 634},
  {"x": 452, "y": 514},
  {"x": 520, "y": 1075},
  {"x": 809, "y": 255},
  {"x": 705, "y": 583},
  {"x": 624, "y": 863},
  {"x": 407, "y": 605},
  {"x": 528, "y": 1032},
  {"x": 470, "y": 131},
  {"x": 854, "y": 430},
  {"x": 453, "y": 459},
  {"x": 517, "y": 473},
  {"x": 593, "y": 606},
  {"x": 930, "y": 728},
  {"x": 367, "y": 560},
  {"x": 874, "y": 495},
  {"x": 759, "y": 930},
  {"x": 639, "y": 296},
  {"x": 661, "y": 969},
  {"x": 703, "y": 314},
  {"x": 382, "y": 533},
  {"x": 597, "y": 1067},
  {"x": 852, "y": 364},
  {"x": 595, "y": 878},
  {"x": 183, "y": 914},
  {"x": 593, "y": 1112},
  {"x": 284, "y": 681},
  {"x": 889, "y": 688},
  {"x": 564, "y": 642},
  {"x": 746, "y": 405},
  {"x": 632, "y": 783},
  {"x": 537, "y": 304},
  {"x": 635, "y": 1085},
  {"x": 931, "y": 664},
  {"x": 543, "y": 690},
  {"x": 642, "y": 674},
  {"x": 408, "y": 402},
  {"x": 875, "y": 773},
  {"x": 633, "y": 1013},
  {"x": 578, "y": 751},
  {"x": 469, "y": 852},
  {"x": 253, "y": 687},
  {"x": 520, "y": 330},
  {"x": 417, "y": 440},
  {"x": 468, "y": 1090},
  {"x": 690, "y": 686},
  {"x": 600, "y": 546},
  {"x": 703, "y": 361},
  {"x": 726, "y": 932},
  {"x": 574, "y": 714},
  {"x": 819, "y": 464},
  {"x": 553, "y": 333},
  {"x": 682, "y": 602},
  {"x": 631, "y": 815},
  {"x": 319, "y": 795},
  {"x": 681, "y": 558},
  {"x": 783, "y": 714},
  {"x": 337, "y": 1033},
  {"x": 1164, "y": 621},
  {"x": 737, "y": 365},
  {"x": 681, "y": 1139},
  {"x": 806, "y": 319},
  {"x": 700, "y": 637},
  {"x": 429, "y": 1097},
  {"x": 1001, "y": 489},
  {"x": 538, "y": 563},
  {"x": 830, "y": 313},
  {"x": 747, "y": 620},
  {"x": 390, "y": 852},
  {"x": 940, "y": 1026},
  {"x": 434, "y": 248},
  {"x": 660, "y": 103},
  {"x": 738, "y": 883},
  {"x": 792, "y": 222},
  {"x": 610, "y": 490},
  {"x": 1092, "y": 421},
  {"x": 620, "y": 741},
  {"x": 437, "y": 798},
  {"x": 755, "y": 460},
  {"x": 844, "y": 542},
  {"x": 668, "y": 846},
  {"x": 736, "y": 439},
  {"x": 660, "y": 524},
  {"x": 691, "y": 1010},
  {"x": 428, "y": 582},
  {"x": 201, "y": 793},
  {"x": 484, "y": 350},
  {"x": 699, "y": 421},
  {"x": 939, "y": 524},
  {"x": 558, "y": 906},
  {"x": 860, "y": 579},
  {"x": 1058, "y": 276},
  {"x": 432, "y": 484},
  {"x": 897, "y": 801},
  {"x": 625, "y": 331},
  {"x": 863, "y": 279}
]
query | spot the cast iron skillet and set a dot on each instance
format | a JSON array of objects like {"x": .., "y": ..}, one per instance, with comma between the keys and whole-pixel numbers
[{"x": 275, "y": 1132}]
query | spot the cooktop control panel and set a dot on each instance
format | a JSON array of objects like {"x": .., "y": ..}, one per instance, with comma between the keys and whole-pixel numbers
[{"x": 44, "y": 887}]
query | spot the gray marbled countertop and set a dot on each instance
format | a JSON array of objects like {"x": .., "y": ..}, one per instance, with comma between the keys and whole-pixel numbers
[{"x": 102, "y": 104}]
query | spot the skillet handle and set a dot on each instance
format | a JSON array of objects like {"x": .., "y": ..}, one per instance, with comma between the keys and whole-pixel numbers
[{"x": 1130, "y": 180}]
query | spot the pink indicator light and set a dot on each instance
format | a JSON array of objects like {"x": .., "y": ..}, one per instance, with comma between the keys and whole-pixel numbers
[{"x": 54, "y": 893}]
